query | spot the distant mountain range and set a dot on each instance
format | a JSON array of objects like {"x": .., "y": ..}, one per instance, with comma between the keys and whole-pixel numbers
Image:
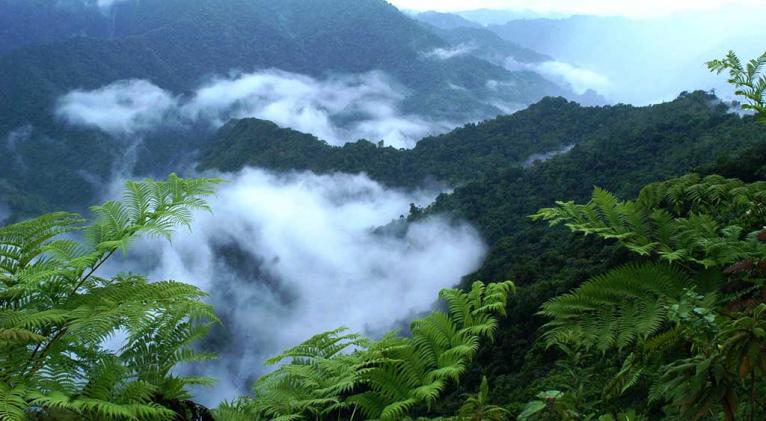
[
  {"x": 176, "y": 43},
  {"x": 49, "y": 48},
  {"x": 482, "y": 42},
  {"x": 642, "y": 61},
  {"x": 440, "y": 71},
  {"x": 616, "y": 56}
]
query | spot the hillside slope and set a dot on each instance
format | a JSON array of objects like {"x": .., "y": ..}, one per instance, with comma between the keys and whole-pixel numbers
[
  {"x": 692, "y": 124},
  {"x": 179, "y": 45}
]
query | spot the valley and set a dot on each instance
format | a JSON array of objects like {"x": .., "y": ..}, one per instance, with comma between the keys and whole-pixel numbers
[{"x": 491, "y": 214}]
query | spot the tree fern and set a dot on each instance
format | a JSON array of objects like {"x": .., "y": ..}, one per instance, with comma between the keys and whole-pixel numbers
[
  {"x": 616, "y": 309},
  {"x": 336, "y": 374},
  {"x": 686, "y": 220},
  {"x": 56, "y": 312}
]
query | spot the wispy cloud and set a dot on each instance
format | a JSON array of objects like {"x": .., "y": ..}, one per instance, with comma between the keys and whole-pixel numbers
[
  {"x": 577, "y": 78},
  {"x": 287, "y": 256},
  {"x": 121, "y": 108},
  {"x": 338, "y": 109}
]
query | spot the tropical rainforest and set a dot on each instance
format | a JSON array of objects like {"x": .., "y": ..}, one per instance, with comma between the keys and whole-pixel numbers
[{"x": 620, "y": 249}]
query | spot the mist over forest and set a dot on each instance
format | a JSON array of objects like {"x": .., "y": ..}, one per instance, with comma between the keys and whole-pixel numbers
[{"x": 271, "y": 170}]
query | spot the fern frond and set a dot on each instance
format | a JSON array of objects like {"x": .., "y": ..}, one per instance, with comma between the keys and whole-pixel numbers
[{"x": 616, "y": 309}]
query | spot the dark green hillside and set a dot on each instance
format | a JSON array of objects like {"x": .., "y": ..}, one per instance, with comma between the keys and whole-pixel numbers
[
  {"x": 547, "y": 262},
  {"x": 464, "y": 154},
  {"x": 628, "y": 146},
  {"x": 33, "y": 22},
  {"x": 637, "y": 147}
]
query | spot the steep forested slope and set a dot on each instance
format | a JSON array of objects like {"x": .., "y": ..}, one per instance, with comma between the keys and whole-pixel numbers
[
  {"x": 548, "y": 262},
  {"x": 34, "y": 22},
  {"x": 463, "y": 154},
  {"x": 623, "y": 144}
]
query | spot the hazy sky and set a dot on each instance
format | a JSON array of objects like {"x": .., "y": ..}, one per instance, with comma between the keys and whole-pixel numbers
[{"x": 632, "y": 8}]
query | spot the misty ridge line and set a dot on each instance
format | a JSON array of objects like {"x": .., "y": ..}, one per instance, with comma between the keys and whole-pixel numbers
[{"x": 338, "y": 109}]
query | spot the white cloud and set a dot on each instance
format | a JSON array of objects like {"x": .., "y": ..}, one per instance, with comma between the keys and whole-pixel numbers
[
  {"x": 450, "y": 52},
  {"x": 579, "y": 79},
  {"x": 368, "y": 103},
  {"x": 631, "y": 8},
  {"x": 287, "y": 256},
  {"x": 121, "y": 108},
  {"x": 338, "y": 109}
]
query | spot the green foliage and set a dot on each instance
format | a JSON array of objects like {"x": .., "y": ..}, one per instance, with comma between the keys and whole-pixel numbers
[
  {"x": 614, "y": 310},
  {"x": 749, "y": 80},
  {"x": 337, "y": 374},
  {"x": 704, "y": 240},
  {"x": 464, "y": 154},
  {"x": 680, "y": 221},
  {"x": 57, "y": 311},
  {"x": 478, "y": 408},
  {"x": 550, "y": 405}
]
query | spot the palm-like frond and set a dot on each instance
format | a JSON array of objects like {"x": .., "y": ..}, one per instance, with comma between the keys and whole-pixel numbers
[
  {"x": 686, "y": 220},
  {"x": 56, "y": 312},
  {"x": 340, "y": 373},
  {"x": 748, "y": 79},
  {"x": 616, "y": 309}
]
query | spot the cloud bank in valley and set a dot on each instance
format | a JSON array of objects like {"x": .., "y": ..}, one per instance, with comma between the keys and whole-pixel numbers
[
  {"x": 338, "y": 109},
  {"x": 121, "y": 108},
  {"x": 631, "y": 8},
  {"x": 579, "y": 79},
  {"x": 288, "y": 256}
]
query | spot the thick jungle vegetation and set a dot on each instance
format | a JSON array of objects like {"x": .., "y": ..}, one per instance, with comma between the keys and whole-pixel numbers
[{"x": 645, "y": 300}]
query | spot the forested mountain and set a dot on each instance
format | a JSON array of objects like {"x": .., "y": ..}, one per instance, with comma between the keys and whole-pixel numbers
[
  {"x": 34, "y": 22},
  {"x": 489, "y": 46},
  {"x": 464, "y": 154},
  {"x": 179, "y": 45},
  {"x": 655, "y": 141},
  {"x": 477, "y": 39}
]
